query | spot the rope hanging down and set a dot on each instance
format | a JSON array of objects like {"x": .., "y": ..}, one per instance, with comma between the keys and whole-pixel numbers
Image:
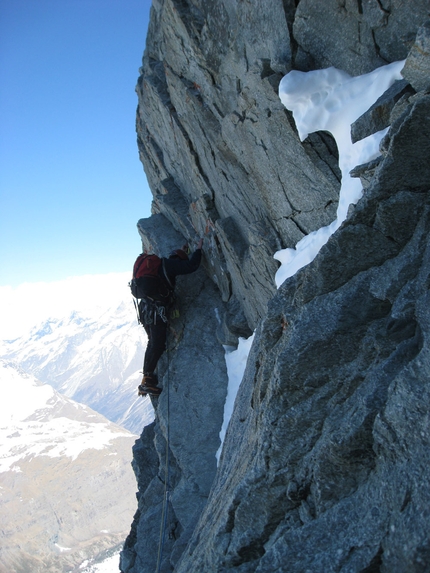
[{"x": 165, "y": 510}]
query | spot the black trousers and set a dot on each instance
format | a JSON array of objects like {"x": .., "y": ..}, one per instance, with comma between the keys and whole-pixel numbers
[{"x": 157, "y": 334}]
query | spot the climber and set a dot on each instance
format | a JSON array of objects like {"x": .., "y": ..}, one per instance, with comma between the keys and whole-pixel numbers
[{"x": 156, "y": 325}]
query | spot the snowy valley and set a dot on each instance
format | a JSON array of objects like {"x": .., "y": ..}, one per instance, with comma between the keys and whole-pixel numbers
[
  {"x": 69, "y": 415},
  {"x": 93, "y": 359},
  {"x": 66, "y": 483}
]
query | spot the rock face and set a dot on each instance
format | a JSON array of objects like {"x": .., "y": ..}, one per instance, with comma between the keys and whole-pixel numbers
[
  {"x": 218, "y": 147},
  {"x": 324, "y": 465},
  {"x": 356, "y": 37},
  {"x": 189, "y": 415}
]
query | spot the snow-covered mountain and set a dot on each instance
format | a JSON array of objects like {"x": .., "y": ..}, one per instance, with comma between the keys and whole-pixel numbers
[
  {"x": 66, "y": 483},
  {"x": 96, "y": 360}
]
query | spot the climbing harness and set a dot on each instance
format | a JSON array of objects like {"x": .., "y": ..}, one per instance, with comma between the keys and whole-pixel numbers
[
  {"x": 166, "y": 497},
  {"x": 147, "y": 311}
]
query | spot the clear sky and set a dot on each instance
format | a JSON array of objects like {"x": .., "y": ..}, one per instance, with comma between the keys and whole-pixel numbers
[{"x": 72, "y": 187}]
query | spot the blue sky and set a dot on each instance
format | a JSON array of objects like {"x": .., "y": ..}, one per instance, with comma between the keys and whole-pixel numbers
[{"x": 71, "y": 184}]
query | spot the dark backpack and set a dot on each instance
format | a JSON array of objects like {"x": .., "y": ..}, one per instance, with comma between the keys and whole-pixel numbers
[{"x": 148, "y": 280}]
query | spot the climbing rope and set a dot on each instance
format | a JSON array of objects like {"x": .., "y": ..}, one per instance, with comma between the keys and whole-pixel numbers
[{"x": 165, "y": 510}]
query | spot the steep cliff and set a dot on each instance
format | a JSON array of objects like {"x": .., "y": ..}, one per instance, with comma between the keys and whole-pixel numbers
[{"x": 325, "y": 459}]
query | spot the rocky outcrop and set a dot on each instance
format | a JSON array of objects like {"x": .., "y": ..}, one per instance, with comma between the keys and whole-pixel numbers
[
  {"x": 324, "y": 466},
  {"x": 356, "y": 37},
  {"x": 325, "y": 460},
  {"x": 219, "y": 149},
  {"x": 188, "y": 417}
]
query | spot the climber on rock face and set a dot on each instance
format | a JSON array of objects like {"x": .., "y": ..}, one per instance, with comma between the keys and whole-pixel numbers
[{"x": 154, "y": 309}]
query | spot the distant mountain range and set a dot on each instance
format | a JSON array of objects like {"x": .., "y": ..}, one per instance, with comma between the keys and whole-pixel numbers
[
  {"x": 67, "y": 489},
  {"x": 96, "y": 360}
]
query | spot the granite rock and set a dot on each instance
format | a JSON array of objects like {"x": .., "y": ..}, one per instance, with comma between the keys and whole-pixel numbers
[
  {"x": 356, "y": 37},
  {"x": 324, "y": 465},
  {"x": 378, "y": 116},
  {"x": 417, "y": 66},
  {"x": 213, "y": 134}
]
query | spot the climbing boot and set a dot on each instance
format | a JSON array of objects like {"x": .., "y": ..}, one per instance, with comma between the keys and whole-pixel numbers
[
  {"x": 145, "y": 390},
  {"x": 149, "y": 386}
]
